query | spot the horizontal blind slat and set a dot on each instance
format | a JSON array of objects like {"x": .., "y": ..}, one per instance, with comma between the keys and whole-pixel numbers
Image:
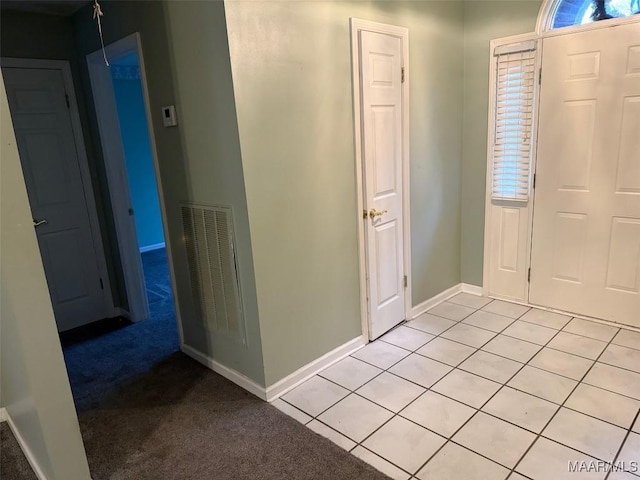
[{"x": 513, "y": 123}]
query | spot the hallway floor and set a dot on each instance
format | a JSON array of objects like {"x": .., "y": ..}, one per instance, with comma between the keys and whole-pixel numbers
[
  {"x": 149, "y": 412},
  {"x": 484, "y": 389},
  {"x": 106, "y": 354}
]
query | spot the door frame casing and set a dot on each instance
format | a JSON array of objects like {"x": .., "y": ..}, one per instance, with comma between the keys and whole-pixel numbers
[
  {"x": 356, "y": 26},
  {"x": 83, "y": 163},
  {"x": 113, "y": 154}
]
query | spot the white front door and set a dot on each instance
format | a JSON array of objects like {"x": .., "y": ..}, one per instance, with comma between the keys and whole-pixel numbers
[
  {"x": 382, "y": 116},
  {"x": 586, "y": 230},
  {"x": 49, "y": 160}
]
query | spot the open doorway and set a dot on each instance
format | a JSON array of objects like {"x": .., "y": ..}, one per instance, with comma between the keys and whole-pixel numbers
[
  {"x": 141, "y": 180},
  {"x": 126, "y": 135},
  {"x": 104, "y": 359}
]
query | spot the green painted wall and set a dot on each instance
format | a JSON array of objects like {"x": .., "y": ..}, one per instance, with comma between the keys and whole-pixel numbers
[
  {"x": 199, "y": 54},
  {"x": 266, "y": 126},
  {"x": 33, "y": 379},
  {"x": 291, "y": 65},
  {"x": 483, "y": 21},
  {"x": 184, "y": 45}
]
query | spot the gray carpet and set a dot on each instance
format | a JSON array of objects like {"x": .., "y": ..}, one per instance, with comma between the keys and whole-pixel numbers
[
  {"x": 147, "y": 411},
  {"x": 13, "y": 464},
  {"x": 102, "y": 355},
  {"x": 183, "y": 421}
]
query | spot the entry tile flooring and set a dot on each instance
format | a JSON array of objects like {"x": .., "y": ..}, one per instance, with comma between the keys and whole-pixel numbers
[{"x": 484, "y": 389}]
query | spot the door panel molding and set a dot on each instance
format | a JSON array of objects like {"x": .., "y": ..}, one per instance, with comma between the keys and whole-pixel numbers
[
  {"x": 585, "y": 254},
  {"x": 357, "y": 26},
  {"x": 582, "y": 66},
  {"x": 83, "y": 163}
]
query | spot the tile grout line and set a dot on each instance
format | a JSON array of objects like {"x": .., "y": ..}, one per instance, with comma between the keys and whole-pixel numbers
[
  {"x": 411, "y": 475},
  {"x": 595, "y": 360},
  {"x": 570, "y": 316},
  {"x": 618, "y": 366},
  {"x": 354, "y": 392},
  {"x": 428, "y": 389},
  {"x": 621, "y": 327},
  {"x": 394, "y": 413},
  {"x": 617, "y": 455},
  {"x": 558, "y": 410},
  {"x": 476, "y": 349},
  {"x": 450, "y": 439},
  {"x": 359, "y": 443},
  {"x": 558, "y": 331},
  {"x": 505, "y": 385},
  {"x": 517, "y": 338}
]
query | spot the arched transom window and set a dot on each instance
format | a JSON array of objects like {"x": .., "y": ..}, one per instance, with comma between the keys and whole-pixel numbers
[{"x": 578, "y": 12}]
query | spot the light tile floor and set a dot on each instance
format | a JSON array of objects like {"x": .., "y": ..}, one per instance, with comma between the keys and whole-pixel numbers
[{"x": 484, "y": 389}]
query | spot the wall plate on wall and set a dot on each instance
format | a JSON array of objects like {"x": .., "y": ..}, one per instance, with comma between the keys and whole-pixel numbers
[{"x": 169, "y": 118}]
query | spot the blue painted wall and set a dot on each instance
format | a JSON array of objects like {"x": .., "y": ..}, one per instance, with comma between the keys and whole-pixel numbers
[{"x": 137, "y": 150}]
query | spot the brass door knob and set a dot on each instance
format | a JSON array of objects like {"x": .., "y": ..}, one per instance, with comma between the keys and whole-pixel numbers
[{"x": 373, "y": 213}]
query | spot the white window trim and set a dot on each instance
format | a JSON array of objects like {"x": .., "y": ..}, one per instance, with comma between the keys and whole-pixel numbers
[{"x": 545, "y": 19}]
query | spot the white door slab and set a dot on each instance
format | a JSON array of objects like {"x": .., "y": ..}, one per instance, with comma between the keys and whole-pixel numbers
[
  {"x": 42, "y": 122},
  {"x": 586, "y": 230},
  {"x": 382, "y": 135}
]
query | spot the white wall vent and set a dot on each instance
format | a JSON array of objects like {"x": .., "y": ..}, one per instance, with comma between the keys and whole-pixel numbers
[{"x": 215, "y": 285}]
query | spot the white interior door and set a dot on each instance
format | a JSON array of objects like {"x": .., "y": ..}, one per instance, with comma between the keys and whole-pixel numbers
[
  {"x": 44, "y": 133},
  {"x": 104, "y": 101},
  {"x": 382, "y": 117},
  {"x": 586, "y": 233}
]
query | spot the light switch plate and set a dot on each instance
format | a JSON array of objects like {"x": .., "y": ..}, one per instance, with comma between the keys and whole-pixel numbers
[{"x": 169, "y": 118}]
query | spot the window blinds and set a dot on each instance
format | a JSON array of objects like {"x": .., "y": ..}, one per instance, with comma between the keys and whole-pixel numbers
[{"x": 515, "y": 80}]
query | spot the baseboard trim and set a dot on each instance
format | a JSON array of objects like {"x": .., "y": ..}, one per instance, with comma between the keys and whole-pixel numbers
[
  {"x": 155, "y": 246},
  {"x": 25, "y": 449},
  {"x": 421, "y": 308},
  {"x": 471, "y": 289},
  {"x": 291, "y": 381},
  {"x": 3, "y": 415},
  {"x": 228, "y": 373}
]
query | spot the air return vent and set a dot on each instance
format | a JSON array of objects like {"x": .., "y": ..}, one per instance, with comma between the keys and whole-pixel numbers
[{"x": 209, "y": 240}]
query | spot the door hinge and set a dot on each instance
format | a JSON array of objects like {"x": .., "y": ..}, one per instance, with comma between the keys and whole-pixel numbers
[
  {"x": 101, "y": 284},
  {"x": 66, "y": 98},
  {"x": 130, "y": 212},
  {"x": 405, "y": 281},
  {"x": 534, "y": 181},
  {"x": 402, "y": 75},
  {"x": 529, "y": 276},
  {"x": 540, "y": 76}
]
